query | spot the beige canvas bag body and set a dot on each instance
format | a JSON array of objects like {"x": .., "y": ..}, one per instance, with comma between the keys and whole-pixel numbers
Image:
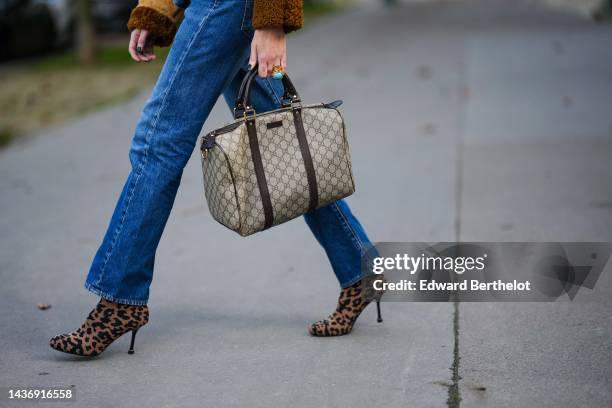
[{"x": 267, "y": 168}]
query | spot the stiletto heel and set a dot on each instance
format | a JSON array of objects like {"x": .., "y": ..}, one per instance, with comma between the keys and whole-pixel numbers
[
  {"x": 131, "y": 350},
  {"x": 379, "y": 320}
]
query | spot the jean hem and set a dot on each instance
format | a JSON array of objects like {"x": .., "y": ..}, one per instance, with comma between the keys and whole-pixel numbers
[{"x": 97, "y": 291}]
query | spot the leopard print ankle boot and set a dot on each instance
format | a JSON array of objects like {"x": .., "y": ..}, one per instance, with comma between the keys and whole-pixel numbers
[
  {"x": 352, "y": 301},
  {"x": 106, "y": 323}
]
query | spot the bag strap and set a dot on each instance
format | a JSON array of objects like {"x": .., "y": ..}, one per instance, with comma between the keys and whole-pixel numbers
[
  {"x": 260, "y": 174},
  {"x": 243, "y": 106},
  {"x": 311, "y": 176},
  {"x": 243, "y": 109}
]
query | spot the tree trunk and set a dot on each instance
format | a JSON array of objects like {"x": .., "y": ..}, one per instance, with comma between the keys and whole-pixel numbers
[{"x": 86, "y": 35}]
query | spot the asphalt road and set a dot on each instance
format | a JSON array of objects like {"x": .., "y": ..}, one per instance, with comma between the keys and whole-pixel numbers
[{"x": 476, "y": 121}]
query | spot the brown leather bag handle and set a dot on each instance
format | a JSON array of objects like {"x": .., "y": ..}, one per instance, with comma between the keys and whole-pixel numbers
[{"x": 242, "y": 105}]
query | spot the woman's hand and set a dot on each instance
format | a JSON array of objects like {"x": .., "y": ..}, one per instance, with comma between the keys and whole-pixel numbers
[
  {"x": 141, "y": 46},
  {"x": 268, "y": 48}
]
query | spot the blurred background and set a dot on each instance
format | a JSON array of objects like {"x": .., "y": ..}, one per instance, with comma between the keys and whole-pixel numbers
[
  {"x": 468, "y": 120},
  {"x": 45, "y": 42}
]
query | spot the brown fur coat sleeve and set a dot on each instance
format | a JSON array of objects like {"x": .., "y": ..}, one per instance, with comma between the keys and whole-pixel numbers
[
  {"x": 286, "y": 13},
  {"x": 162, "y": 18}
]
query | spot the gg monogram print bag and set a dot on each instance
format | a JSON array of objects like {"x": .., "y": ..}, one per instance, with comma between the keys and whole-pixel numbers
[{"x": 268, "y": 168}]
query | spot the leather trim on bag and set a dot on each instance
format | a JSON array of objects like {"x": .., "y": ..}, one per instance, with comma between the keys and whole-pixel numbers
[
  {"x": 308, "y": 164},
  {"x": 231, "y": 172},
  {"x": 260, "y": 174},
  {"x": 333, "y": 104},
  {"x": 346, "y": 146}
]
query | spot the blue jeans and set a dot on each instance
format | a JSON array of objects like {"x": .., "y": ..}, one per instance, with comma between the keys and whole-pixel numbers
[{"x": 208, "y": 58}]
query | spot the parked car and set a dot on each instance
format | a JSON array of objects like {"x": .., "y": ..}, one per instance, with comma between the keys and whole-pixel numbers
[{"x": 30, "y": 26}]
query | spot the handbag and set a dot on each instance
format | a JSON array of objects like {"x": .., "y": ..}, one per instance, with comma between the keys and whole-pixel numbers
[{"x": 264, "y": 169}]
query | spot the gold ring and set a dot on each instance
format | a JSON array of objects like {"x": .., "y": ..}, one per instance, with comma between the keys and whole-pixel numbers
[{"x": 277, "y": 68}]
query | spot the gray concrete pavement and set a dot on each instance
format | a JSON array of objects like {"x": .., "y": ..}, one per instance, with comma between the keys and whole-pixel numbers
[
  {"x": 536, "y": 160},
  {"x": 484, "y": 121}
]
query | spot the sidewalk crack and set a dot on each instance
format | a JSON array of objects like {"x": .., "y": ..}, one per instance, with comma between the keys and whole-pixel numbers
[{"x": 454, "y": 394}]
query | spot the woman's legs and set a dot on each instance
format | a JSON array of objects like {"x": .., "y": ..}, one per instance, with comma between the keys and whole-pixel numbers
[
  {"x": 211, "y": 45},
  {"x": 207, "y": 52},
  {"x": 334, "y": 226}
]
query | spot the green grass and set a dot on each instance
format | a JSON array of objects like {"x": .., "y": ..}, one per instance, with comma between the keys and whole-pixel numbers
[
  {"x": 317, "y": 8},
  {"x": 123, "y": 96},
  {"x": 116, "y": 56},
  {"x": 6, "y": 136},
  {"x": 106, "y": 57},
  {"x": 58, "y": 87}
]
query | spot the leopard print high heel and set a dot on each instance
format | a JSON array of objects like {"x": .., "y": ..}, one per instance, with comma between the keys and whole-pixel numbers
[
  {"x": 106, "y": 323},
  {"x": 352, "y": 301}
]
